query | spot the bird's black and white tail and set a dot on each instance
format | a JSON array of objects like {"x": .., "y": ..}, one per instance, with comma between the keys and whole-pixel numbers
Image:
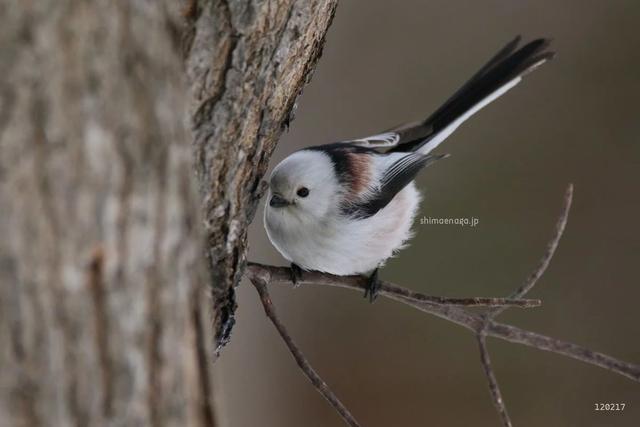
[{"x": 501, "y": 73}]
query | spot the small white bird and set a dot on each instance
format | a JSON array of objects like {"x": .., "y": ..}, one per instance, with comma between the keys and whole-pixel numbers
[{"x": 345, "y": 208}]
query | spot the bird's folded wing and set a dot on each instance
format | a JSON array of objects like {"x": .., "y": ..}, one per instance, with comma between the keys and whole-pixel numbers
[
  {"x": 381, "y": 140},
  {"x": 395, "y": 177}
]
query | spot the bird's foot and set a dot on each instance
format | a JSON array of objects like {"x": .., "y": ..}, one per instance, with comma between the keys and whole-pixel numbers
[
  {"x": 296, "y": 274},
  {"x": 373, "y": 286}
]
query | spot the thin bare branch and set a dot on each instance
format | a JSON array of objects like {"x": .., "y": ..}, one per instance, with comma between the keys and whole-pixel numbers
[
  {"x": 457, "y": 315},
  {"x": 451, "y": 309},
  {"x": 304, "y": 365},
  {"x": 540, "y": 269},
  {"x": 542, "y": 342},
  {"x": 282, "y": 275},
  {"x": 528, "y": 284},
  {"x": 494, "y": 389}
]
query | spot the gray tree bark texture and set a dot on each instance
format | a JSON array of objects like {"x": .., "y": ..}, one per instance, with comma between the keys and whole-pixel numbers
[
  {"x": 247, "y": 62},
  {"x": 108, "y": 280}
]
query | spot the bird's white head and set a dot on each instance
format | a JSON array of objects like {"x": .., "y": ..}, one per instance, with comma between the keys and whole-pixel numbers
[{"x": 303, "y": 188}]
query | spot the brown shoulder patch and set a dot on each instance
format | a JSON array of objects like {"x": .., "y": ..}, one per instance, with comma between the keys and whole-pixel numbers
[{"x": 360, "y": 173}]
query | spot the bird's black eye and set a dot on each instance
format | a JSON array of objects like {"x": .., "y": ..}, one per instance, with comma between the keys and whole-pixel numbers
[{"x": 302, "y": 192}]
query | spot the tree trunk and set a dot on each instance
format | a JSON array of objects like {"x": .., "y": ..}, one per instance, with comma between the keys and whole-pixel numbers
[
  {"x": 102, "y": 253},
  {"x": 247, "y": 63}
]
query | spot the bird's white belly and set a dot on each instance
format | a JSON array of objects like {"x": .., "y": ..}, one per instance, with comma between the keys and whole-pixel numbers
[{"x": 347, "y": 247}]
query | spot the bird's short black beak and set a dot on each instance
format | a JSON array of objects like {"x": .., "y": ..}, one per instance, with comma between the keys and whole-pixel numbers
[{"x": 278, "y": 201}]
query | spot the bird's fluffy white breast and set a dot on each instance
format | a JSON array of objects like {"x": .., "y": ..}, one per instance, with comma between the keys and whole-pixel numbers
[{"x": 342, "y": 245}]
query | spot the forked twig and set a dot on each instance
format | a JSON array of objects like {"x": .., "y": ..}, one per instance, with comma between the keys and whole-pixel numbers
[
  {"x": 550, "y": 251},
  {"x": 460, "y": 316},
  {"x": 451, "y": 309},
  {"x": 528, "y": 284}
]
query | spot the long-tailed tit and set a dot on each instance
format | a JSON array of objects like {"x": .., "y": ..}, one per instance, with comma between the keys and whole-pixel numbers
[{"x": 346, "y": 207}]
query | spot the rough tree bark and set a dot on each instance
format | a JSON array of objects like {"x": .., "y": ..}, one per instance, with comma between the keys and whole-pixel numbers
[
  {"x": 102, "y": 253},
  {"x": 247, "y": 63}
]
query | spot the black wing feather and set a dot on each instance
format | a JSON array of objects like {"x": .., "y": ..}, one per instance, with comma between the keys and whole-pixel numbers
[
  {"x": 395, "y": 178},
  {"x": 507, "y": 64}
]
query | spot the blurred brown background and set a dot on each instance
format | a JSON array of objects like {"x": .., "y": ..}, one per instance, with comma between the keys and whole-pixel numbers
[{"x": 574, "y": 120}]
